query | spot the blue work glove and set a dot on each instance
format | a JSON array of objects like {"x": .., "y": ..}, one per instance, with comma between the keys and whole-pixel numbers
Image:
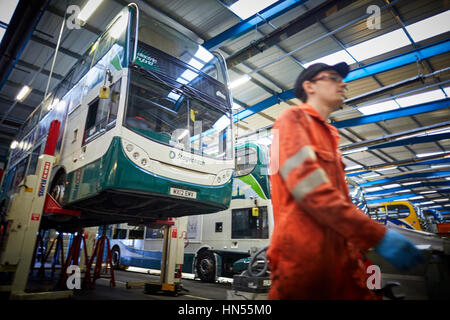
[{"x": 399, "y": 251}]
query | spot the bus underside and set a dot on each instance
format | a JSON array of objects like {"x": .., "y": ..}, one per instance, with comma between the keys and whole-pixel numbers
[{"x": 114, "y": 190}]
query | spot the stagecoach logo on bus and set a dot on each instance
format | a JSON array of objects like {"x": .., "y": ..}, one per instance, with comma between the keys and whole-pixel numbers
[
  {"x": 44, "y": 178},
  {"x": 186, "y": 159}
]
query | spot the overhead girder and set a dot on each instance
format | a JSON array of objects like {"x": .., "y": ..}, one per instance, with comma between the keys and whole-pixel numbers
[
  {"x": 425, "y": 184},
  {"x": 23, "y": 22},
  {"x": 355, "y": 74},
  {"x": 289, "y": 29},
  {"x": 249, "y": 24},
  {"x": 437, "y": 159},
  {"x": 413, "y": 175},
  {"x": 394, "y": 114}
]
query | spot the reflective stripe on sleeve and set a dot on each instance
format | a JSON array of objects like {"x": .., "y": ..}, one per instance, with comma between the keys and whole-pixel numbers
[
  {"x": 308, "y": 184},
  {"x": 296, "y": 160}
]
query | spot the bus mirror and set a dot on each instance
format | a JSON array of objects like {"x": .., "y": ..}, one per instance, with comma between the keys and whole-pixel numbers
[{"x": 104, "y": 92}]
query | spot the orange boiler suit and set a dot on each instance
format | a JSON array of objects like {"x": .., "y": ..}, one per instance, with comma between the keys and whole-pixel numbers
[{"x": 319, "y": 233}]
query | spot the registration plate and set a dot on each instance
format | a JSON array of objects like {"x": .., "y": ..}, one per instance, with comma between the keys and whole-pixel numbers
[{"x": 183, "y": 193}]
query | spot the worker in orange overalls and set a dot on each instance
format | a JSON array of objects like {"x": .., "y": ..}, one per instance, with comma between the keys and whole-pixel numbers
[{"x": 319, "y": 233}]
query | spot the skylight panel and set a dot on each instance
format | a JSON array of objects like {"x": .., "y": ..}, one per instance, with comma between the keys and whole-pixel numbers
[
  {"x": 247, "y": 8},
  {"x": 421, "y": 98},
  {"x": 387, "y": 42},
  {"x": 8, "y": 8},
  {"x": 331, "y": 59},
  {"x": 378, "y": 107},
  {"x": 430, "y": 27}
]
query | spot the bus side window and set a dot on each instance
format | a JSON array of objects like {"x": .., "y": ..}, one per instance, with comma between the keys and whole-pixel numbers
[
  {"x": 102, "y": 113},
  {"x": 136, "y": 233},
  {"x": 120, "y": 234},
  {"x": 246, "y": 225}
]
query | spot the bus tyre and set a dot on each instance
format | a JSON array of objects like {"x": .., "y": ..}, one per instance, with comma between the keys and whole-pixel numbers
[
  {"x": 115, "y": 255},
  {"x": 206, "y": 266}
]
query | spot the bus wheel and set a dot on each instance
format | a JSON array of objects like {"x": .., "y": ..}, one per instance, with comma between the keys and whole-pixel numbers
[
  {"x": 206, "y": 266},
  {"x": 58, "y": 186},
  {"x": 115, "y": 253}
]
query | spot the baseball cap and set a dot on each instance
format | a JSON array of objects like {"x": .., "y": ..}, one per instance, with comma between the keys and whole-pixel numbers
[{"x": 342, "y": 68}]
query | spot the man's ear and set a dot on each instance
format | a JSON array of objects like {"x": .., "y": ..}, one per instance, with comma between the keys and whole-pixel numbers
[{"x": 308, "y": 87}]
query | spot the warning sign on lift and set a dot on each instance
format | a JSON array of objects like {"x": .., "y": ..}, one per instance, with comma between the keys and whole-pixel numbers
[
  {"x": 44, "y": 178},
  {"x": 35, "y": 216}
]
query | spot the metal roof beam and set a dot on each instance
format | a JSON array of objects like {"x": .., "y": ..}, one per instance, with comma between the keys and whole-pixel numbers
[
  {"x": 423, "y": 175},
  {"x": 249, "y": 24},
  {"x": 412, "y": 140},
  {"x": 358, "y": 73},
  {"x": 394, "y": 114},
  {"x": 426, "y": 184}
]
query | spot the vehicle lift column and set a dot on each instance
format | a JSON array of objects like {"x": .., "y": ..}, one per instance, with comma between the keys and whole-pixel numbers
[
  {"x": 25, "y": 214},
  {"x": 171, "y": 261}
]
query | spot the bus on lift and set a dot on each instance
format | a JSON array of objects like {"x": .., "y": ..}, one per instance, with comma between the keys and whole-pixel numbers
[
  {"x": 146, "y": 128},
  {"x": 214, "y": 242}
]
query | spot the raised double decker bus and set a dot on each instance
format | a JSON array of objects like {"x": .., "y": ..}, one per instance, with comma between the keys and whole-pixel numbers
[
  {"x": 146, "y": 130},
  {"x": 216, "y": 243}
]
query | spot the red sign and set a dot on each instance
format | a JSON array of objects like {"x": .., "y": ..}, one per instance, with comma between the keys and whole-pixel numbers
[
  {"x": 46, "y": 170},
  {"x": 174, "y": 232},
  {"x": 35, "y": 216}
]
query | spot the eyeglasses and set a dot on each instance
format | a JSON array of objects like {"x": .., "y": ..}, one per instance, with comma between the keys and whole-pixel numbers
[{"x": 333, "y": 77}]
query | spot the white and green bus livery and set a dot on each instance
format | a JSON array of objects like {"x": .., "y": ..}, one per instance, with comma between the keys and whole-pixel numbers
[
  {"x": 145, "y": 129},
  {"x": 215, "y": 243}
]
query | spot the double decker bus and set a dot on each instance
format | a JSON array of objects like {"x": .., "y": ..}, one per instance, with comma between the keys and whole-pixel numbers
[
  {"x": 146, "y": 128},
  {"x": 216, "y": 243}
]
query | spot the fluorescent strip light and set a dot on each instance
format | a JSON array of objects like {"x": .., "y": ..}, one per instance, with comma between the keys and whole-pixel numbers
[
  {"x": 378, "y": 107},
  {"x": 358, "y": 166},
  {"x": 422, "y": 155},
  {"x": 426, "y": 202},
  {"x": 420, "y": 98},
  {"x": 14, "y": 144},
  {"x": 418, "y": 197},
  {"x": 385, "y": 169},
  {"x": 427, "y": 192},
  {"x": 373, "y": 189},
  {"x": 430, "y": 27},
  {"x": 394, "y": 185},
  {"x": 437, "y": 206},
  {"x": 23, "y": 93},
  {"x": 401, "y": 191},
  {"x": 411, "y": 183},
  {"x": 441, "y": 200},
  {"x": 239, "y": 81},
  {"x": 247, "y": 8},
  {"x": 387, "y": 42},
  {"x": 88, "y": 9},
  {"x": 371, "y": 176},
  {"x": 355, "y": 150}
]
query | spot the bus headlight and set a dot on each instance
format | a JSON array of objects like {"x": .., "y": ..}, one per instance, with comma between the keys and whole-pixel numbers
[
  {"x": 129, "y": 147},
  {"x": 135, "y": 154},
  {"x": 223, "y": 176}
]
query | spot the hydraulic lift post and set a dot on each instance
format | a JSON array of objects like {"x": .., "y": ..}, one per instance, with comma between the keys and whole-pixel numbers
[
  {"x": 171, "y": 261},
  {"x": 24, "y": 214}
]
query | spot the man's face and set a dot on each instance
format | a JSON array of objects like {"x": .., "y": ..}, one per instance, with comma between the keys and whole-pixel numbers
[{"x": 328, "y": 86}]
